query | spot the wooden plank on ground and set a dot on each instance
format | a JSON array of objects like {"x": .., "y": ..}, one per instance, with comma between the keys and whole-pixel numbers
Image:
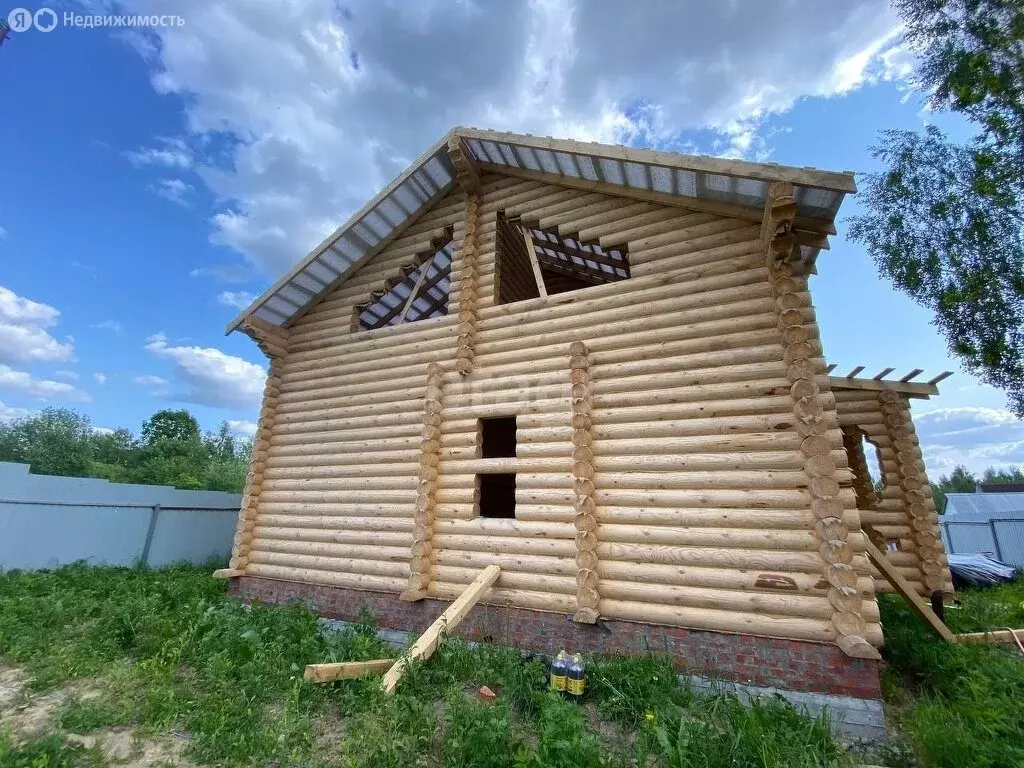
[
  {"x": 226, "y": 573},
  {"x": 901, "y": 585},
  {"x": 993, "y": 636},
  {"x": 346, "y": 670},
  {"x": 426, "y": 644}
]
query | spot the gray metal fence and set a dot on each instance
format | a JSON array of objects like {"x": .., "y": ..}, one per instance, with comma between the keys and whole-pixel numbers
[
  {"x": 47, "y": 521},
  {"x": 999, "y": 537}
]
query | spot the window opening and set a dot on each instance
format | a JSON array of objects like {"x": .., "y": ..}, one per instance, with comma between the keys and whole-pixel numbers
[
  {"x": 498, "y": 438},
  {"x": 419, "y": 292},
  {"x": 497, "y": 495}
]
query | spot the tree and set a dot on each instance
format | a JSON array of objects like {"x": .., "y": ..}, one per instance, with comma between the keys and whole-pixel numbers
[
  {"x": 57, "y": 441},
  {"x": 170, "y": 425},
  {"x": 944, "y": 221}
]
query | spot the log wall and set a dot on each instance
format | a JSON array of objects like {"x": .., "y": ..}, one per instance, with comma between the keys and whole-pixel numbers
[
  {"x": 699, "y": 494},
  {"x": 903, "y": 511}
]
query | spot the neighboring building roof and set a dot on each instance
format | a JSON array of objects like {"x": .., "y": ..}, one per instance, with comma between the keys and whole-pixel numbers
[
  {"x": 730, "y": 187},
  {"x": 1000, "y": 487},
  {"x": 984, "y": 505}
]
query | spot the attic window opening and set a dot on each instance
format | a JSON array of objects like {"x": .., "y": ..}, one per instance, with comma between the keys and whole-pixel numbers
[
  {"x": 564, "y": 263},
  {"x": 497, "y": 495},
  {"x": 418, "y": 292}
]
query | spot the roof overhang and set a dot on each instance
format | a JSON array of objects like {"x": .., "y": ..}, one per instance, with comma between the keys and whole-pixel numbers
[
  {"x": 729, "y": 187},
  {"x": 881, "y": 381}
]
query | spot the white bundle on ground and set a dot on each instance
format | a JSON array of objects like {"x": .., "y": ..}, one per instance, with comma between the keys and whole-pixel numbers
[{"x": 979, "y": 570}]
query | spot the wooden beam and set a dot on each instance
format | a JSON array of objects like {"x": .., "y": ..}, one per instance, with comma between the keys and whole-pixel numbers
[
  {"x": 749, "y": 213},
  {"x": 811, "y": 177},
  {"x": 855, "y": 371},
  {"x": 598, "y": 258},
  {"x": 910, "y": 389},
  {"x": 427, "y": 643},
  {"x": 882, "y": 374},
  {"x": 941, "y": 377},
  {"x": 906, "y": 591},
  {"x": 532, "y": 253},
  {"x": 227, "y": 573},
  {"x": 346, "y": 670},
  {"x": 994, "y": 636},
  {"x": 913, "y": 374},
  {"x": 416, "y": 288}
]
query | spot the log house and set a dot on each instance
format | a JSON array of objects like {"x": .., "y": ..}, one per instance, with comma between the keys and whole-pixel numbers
[{"x": 598, "y": 368}]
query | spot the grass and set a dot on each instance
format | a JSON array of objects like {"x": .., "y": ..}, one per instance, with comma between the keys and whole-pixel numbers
[
  {"x": 168, "y": 650},
  {"x": 957, "y": 705}
]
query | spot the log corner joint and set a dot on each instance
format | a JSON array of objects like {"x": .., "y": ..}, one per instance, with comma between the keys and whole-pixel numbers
[
  {"x": 466, "y": 172},
  {"x": 272, "y": 340},
  {"x": 778, "y": 230}
]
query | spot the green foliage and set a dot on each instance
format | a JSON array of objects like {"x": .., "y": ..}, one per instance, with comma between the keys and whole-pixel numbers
[
  {"x": 944, "y": 220},
  {"x": 46, "y": 752},
  {"x": 177, "y": 426},
  {"x": 166, "y": 649},
  {"x": 961, "y": 480},
  {"x": 171, "y": 452},
  {"x": 959, "y": 704}
]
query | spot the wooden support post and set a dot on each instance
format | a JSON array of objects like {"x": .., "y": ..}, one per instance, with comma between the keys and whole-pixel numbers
[
  {"x": 346, "y": 670},
  {"x": 421, "y": 562},
  {"x": 906, "y": 591},
  {"x": 531, "y": 251},
  {"x": 588, "y": 597},
  {"x": 427, "y": 643}
]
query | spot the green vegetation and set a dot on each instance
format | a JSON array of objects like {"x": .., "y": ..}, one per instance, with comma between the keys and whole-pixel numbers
[
  {"x": 162, "y": 650},
  {"x": 944, "y": 220},
  {"x": 962, "y": 480},
  {"x": 170, "y": 451},
  {"x": 957, "y": 705}
]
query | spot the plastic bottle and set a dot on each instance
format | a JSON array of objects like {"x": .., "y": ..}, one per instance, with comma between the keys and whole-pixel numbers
[
  {"x": 576, "y": 678},
  {"x": 558, "y": 669}
]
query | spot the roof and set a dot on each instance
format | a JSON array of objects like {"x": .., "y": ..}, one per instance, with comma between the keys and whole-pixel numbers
[
  {"x": 982, "y": 506},
  {"x": 730, "y": 187}
]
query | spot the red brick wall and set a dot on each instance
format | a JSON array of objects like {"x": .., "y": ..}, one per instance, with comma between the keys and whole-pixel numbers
[{"x": 793, "y": 664}]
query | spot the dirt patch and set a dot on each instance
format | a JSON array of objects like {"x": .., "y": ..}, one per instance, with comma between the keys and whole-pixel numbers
[{"x": 27, "y": 716}]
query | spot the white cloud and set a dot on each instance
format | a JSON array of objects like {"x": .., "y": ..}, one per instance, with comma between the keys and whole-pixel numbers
[
  {"x": 23, "y": 337},
  {"x": 341, "y": 99},
  {"x": 69, "y": 375},
  {"x": 103, "y": 430},
  {"x": 100, "y": 378},
  {"x": 42, "y": 389},
  {"x": 109, "y": 325},
  {"x": 208, "y": 376},
  {"x": 174, "y": 190},
  {"x": 242, "y": 428},
  {"x": 3, "y": 233},
  {"x": 173, "y": 153},
  {"x": 976, "y": 437},
  {"x": 10, "y": 413},
  {"x": 149, "y": 381},
  {"x": 237, "y": 299}
]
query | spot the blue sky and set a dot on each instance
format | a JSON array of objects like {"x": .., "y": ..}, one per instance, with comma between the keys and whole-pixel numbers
[{"x": 155, "y": 178}]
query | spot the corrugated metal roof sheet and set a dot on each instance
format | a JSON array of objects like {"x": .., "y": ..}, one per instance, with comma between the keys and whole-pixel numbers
[
  {"x": 984, "y": 505},
  {"x": 731, "y": 182}
]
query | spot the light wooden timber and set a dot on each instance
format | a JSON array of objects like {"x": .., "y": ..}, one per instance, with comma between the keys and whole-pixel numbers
[
  {"x": 227, "y": 573},
  {"x": 907, "y": 592},
  {"x": 912, "y": 389},
  {"x": 346, "y": 670},
  {"x": 534, "y": 264},
  {"x": 994, "y": 636},
  {"x": 426, "y": 644}
]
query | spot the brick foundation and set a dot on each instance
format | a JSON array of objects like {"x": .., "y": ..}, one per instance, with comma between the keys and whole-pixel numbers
[{"x": 792, "y": 664}]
